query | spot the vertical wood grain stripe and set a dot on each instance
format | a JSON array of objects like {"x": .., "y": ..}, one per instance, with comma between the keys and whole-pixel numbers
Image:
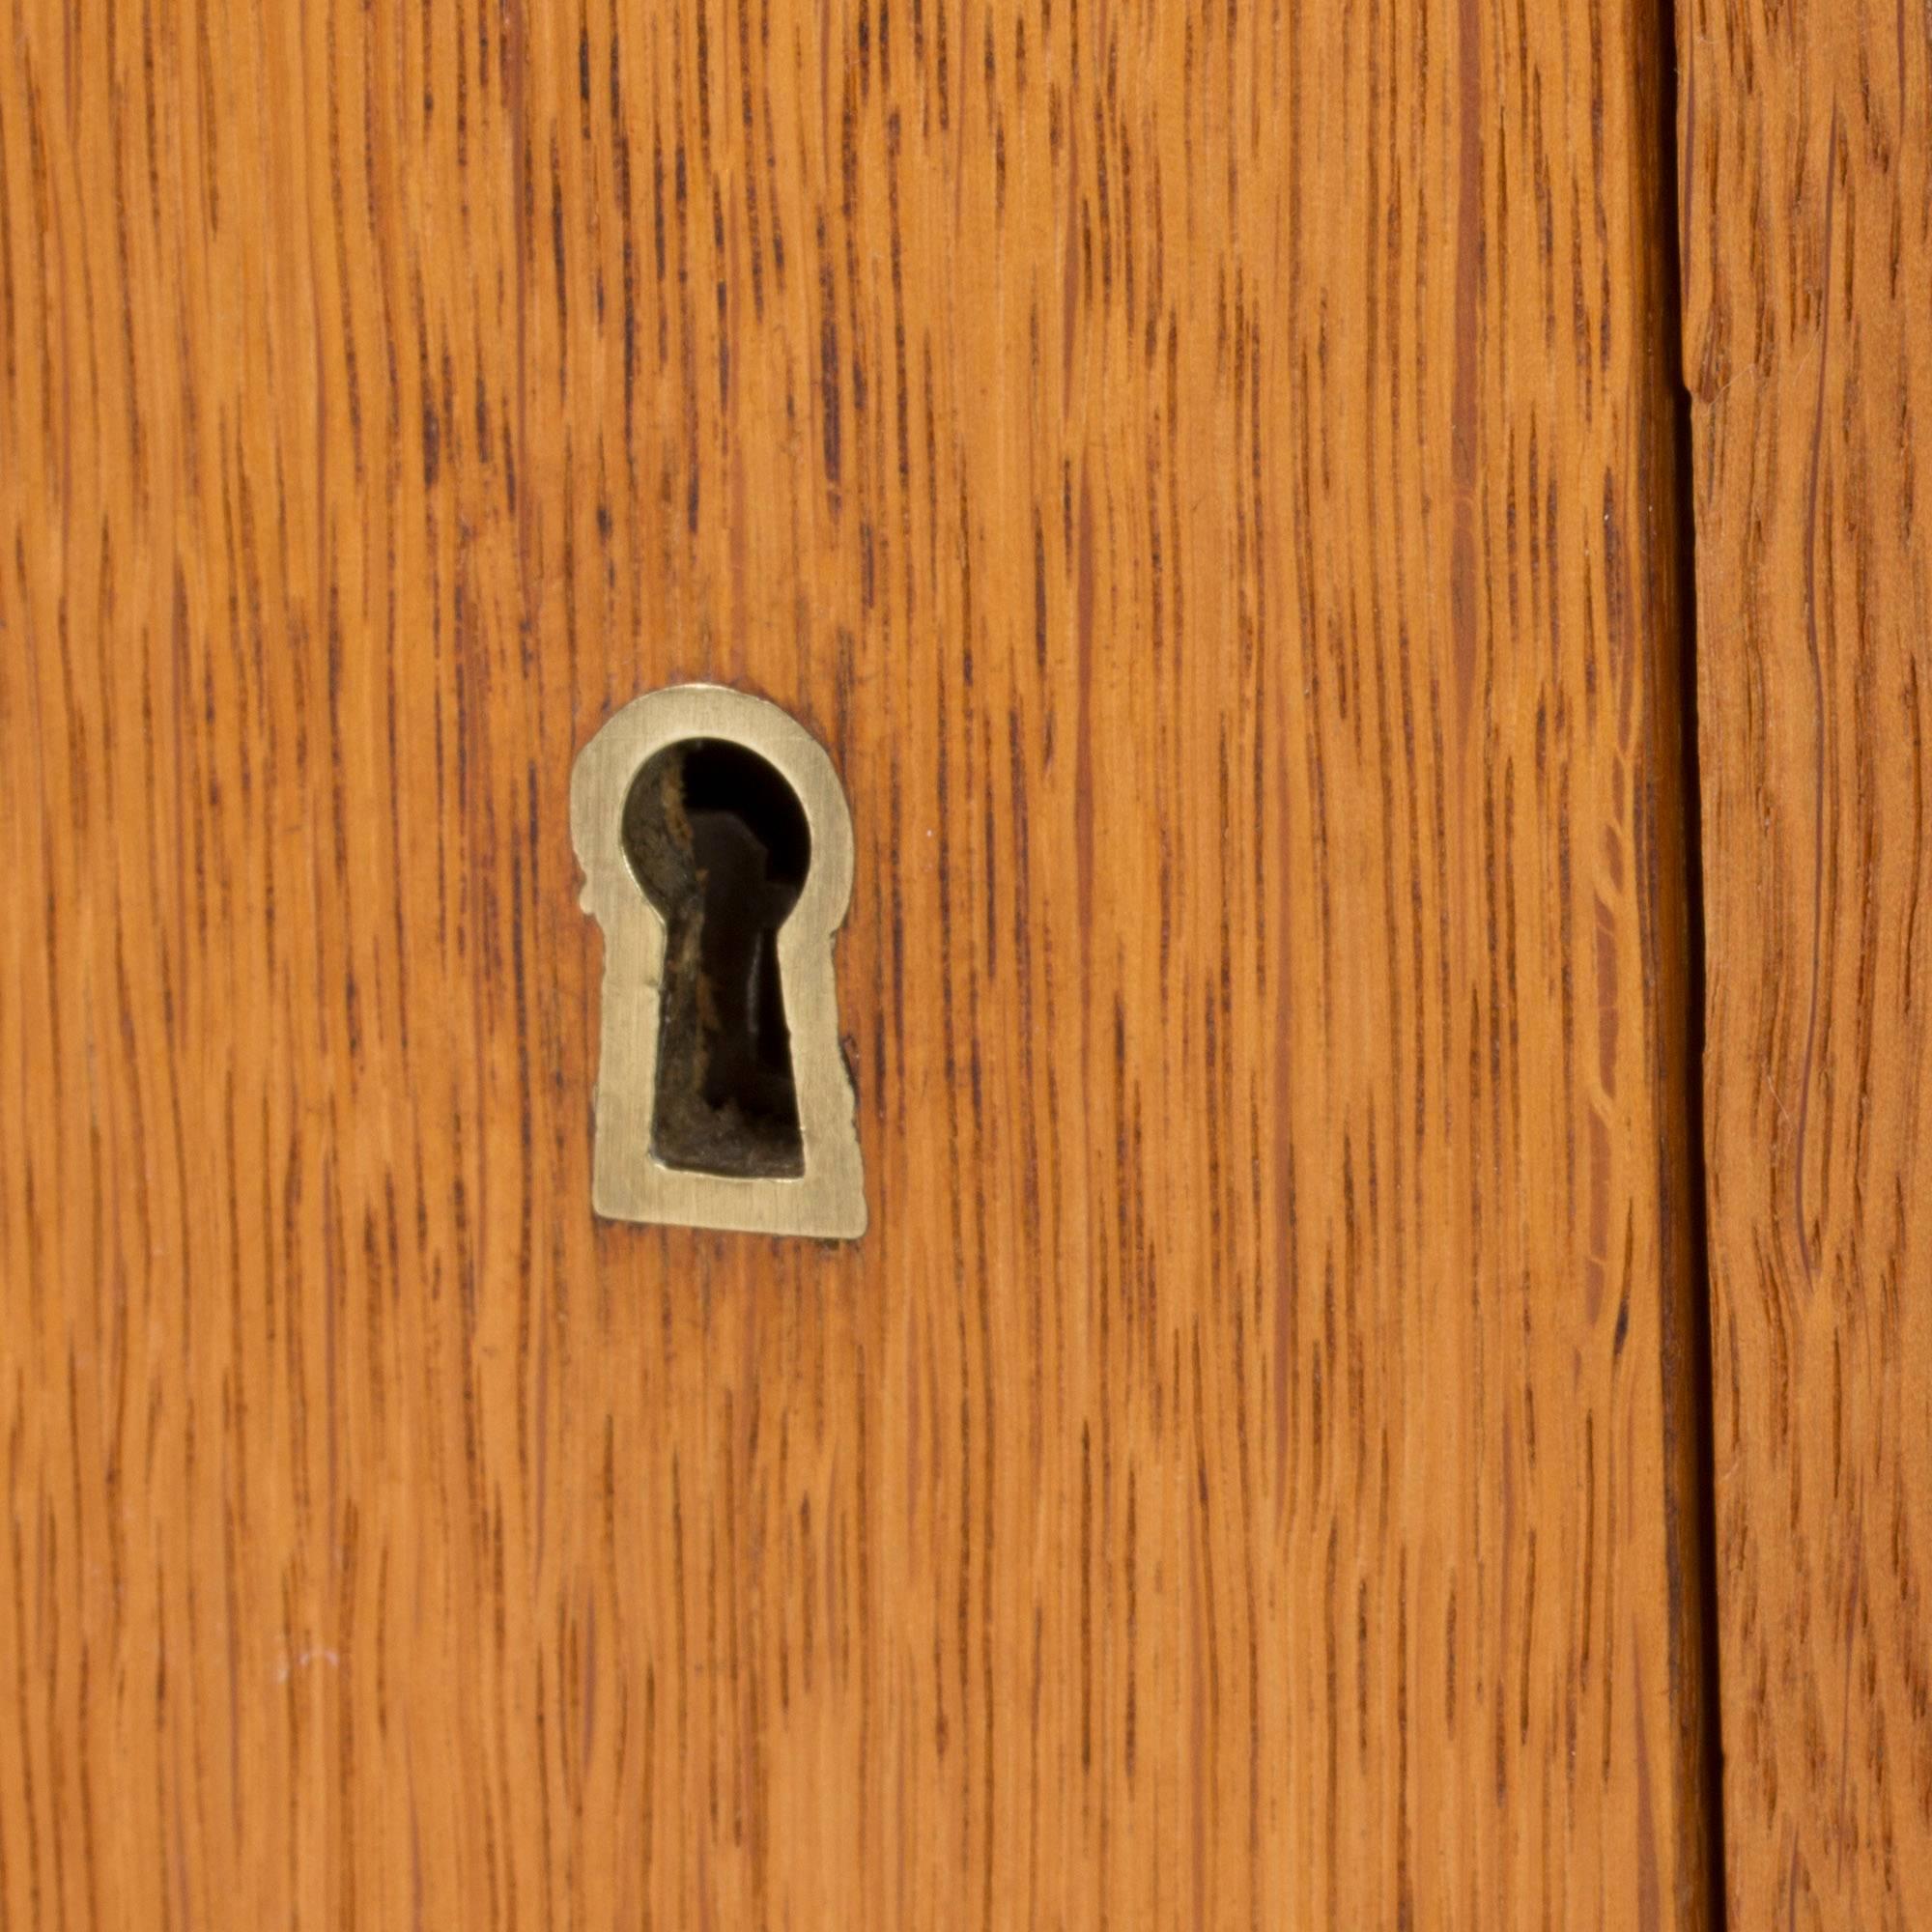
[
  {"x": 1204, "y": 472},
  {"x": 1806, "y": 238}
]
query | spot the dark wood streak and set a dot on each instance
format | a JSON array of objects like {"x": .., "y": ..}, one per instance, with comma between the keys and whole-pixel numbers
[{"x": 1820, "y": 785}]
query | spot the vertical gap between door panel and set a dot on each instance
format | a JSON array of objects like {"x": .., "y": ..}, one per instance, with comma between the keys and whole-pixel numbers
[{"x": 1692, "y": 1401}]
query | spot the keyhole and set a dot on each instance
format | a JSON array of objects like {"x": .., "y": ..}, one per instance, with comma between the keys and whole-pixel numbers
[{"x": 719, "y": 841}]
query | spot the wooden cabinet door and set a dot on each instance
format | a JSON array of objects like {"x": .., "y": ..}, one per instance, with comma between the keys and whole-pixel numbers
[
  {"x": 1210, "y": 476},
  {"x": 1806, "y": 347}
]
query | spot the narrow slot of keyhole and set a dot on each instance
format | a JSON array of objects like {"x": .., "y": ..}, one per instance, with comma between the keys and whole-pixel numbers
[{"x": 719, "y": 842}]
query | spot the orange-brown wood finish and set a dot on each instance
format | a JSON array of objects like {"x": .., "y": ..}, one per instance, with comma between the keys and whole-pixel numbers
[
  {"x": 1204, "y": 472},
  {"x": 1807, "y": 344}
]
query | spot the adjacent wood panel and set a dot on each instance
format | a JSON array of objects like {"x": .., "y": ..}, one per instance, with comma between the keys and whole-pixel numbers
[
  {"x": 1204, "y": 472},
  {"x": 1807, "y": 250}
]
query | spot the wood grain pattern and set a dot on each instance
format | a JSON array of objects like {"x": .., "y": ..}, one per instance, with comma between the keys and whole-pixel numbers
[
  {"x": 1205, "y": 473},
  {"x": 1808, "y": 249}
]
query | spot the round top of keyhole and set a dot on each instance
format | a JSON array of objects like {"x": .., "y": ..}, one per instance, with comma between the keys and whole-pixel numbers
[{"x": 706, "y": 804}]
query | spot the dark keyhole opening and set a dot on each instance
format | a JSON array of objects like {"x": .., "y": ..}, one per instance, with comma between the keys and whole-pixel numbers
[{"x": 719, "y": 841}]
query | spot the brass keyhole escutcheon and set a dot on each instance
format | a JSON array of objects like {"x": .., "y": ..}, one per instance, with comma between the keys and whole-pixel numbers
[{"x": 717, "y": 853}]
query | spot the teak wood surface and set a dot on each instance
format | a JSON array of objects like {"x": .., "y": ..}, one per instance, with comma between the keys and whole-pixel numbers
[
  {"x": 1210, "y": 475},
  {"x": 1807, "y": 343}
]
